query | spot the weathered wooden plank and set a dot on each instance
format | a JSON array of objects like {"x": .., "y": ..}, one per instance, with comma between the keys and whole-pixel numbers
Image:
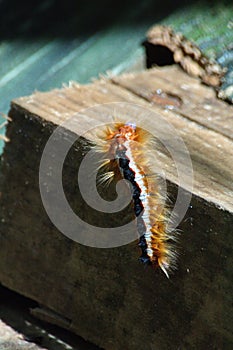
[
  {"x": 212, "y": 134},
  {"x": 105, "y": 295}
]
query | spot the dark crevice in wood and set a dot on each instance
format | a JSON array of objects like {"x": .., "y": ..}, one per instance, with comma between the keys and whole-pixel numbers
[{"x": 158, "y": 55}]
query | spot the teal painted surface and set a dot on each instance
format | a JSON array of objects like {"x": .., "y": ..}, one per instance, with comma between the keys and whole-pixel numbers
[
  {"x": 209, "y": 25},
  {"x": 38, "y": 53},
  {"x": 47, "y": 65}
]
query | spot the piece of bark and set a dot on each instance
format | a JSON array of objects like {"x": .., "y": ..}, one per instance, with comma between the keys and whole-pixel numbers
[
  {"x": 106, "y": 295},
  {"x": 212, "y": 34},
  {"x": 185, "y": 52}
]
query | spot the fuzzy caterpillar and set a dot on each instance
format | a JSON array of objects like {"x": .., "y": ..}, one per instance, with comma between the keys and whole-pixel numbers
[{"x": 122, "y": 144}]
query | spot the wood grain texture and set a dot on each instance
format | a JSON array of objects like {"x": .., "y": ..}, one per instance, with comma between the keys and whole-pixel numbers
[
  {"x": 204, "y": 122},
  {"x": 106, "y": 295},
  {"x": 190, "y": 99}
]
